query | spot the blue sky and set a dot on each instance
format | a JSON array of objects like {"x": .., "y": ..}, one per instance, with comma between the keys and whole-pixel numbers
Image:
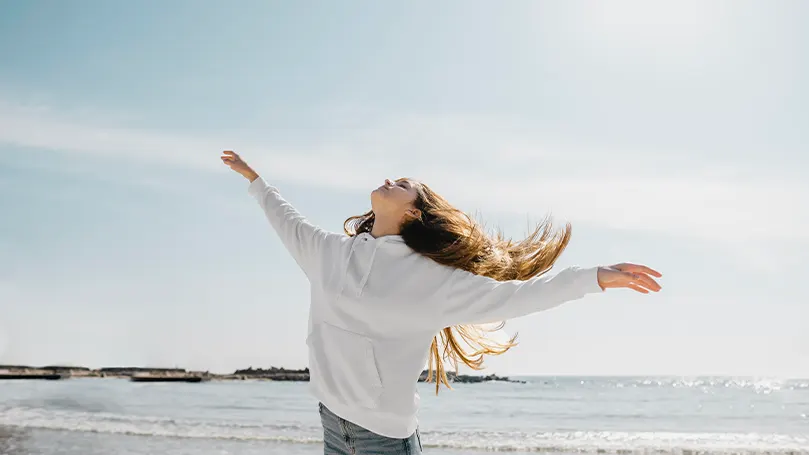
[{"x": 669, "y": 134}]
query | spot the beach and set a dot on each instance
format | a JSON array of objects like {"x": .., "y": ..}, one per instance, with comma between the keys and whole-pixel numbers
[{"x": 559, "y": 415}]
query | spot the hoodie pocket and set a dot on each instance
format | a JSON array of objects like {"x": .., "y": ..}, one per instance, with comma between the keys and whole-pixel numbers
[{"x": 345, "y": 365}]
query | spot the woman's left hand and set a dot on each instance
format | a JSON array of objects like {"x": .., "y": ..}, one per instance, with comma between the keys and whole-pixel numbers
[
  {"x": 235, "y": 162},
  {"x": 632, "y": 276}
]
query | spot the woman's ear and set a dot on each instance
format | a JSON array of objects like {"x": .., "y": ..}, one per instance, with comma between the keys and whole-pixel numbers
[{"x": 413, "y": 213}]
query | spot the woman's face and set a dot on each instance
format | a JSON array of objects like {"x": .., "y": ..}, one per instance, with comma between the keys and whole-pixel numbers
[{"x": 394, "y": 199}]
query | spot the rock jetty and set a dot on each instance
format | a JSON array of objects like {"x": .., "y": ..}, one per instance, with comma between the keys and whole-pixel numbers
[
  {"x": 144, "y": 374},
  {"x": 471, "y": 379},
  {"x": 273, "y": 374}
]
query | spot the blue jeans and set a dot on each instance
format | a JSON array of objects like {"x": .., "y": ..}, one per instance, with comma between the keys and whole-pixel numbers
[{"x": 341, "y": 437}]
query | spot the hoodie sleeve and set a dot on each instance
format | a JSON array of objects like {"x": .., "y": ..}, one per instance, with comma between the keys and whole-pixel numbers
[
  {"x": 304, "y": 241},
  {"x": 475, "y": 299}
]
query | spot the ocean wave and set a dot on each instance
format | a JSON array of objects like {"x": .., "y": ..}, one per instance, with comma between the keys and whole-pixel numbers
[
  {"x": 584, "y": 442},
  {"x": 65, "y": 403},
  {"x": 617, "y": 442},
  {"x": 62, "y": 417}
]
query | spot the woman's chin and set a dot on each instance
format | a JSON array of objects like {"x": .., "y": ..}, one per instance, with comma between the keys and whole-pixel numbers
[{"x": 376, "y": 196}]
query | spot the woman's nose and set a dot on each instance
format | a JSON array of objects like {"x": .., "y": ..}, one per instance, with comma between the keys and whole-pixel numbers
[{"x": 388, "y": 182}]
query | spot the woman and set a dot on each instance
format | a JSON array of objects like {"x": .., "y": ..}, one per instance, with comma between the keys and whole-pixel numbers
[{"x": 412, "y": 267}]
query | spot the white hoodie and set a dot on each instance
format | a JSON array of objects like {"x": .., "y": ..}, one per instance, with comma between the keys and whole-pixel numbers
[{"x": 376, "y": 306}]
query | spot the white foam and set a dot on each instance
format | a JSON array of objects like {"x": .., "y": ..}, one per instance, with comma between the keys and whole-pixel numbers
[{"x": 615, "y": 442}]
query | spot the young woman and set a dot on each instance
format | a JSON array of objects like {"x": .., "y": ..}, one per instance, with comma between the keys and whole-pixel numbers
[{"x": 411, "y": 268}]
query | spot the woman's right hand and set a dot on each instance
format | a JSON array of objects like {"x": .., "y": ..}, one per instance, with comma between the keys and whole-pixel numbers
[
  {"x": 236, "y": 163},
  {"x": 631, "y": 276}
]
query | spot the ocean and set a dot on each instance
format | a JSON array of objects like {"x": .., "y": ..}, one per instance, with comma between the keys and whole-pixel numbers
[{"x": 556, "y": 415}]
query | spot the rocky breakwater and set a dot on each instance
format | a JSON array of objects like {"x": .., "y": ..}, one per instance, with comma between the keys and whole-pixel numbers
[
  {"x": 144, "y": 374},
  {"x": 129, "y": 372},
  {"x": 271, "y": 374},
  {"x": 7, "y": 374},
  {"x": 46, "y": 372},
  {"x": 471, "y": 379},
  {"x": 140, "y": 374},
  {"x": 283, "y": 374}
]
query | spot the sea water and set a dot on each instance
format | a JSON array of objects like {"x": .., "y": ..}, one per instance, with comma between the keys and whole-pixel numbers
[{"x": 558, "y": 415}]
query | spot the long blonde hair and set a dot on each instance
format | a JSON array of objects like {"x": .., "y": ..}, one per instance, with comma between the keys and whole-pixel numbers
[{"x": 453, "y": 238}]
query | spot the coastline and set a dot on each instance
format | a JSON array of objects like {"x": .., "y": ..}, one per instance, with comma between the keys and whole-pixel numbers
[{"x": 140, "y": 373}]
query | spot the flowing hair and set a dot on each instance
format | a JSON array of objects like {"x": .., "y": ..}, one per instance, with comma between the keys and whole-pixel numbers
[{"x": 453, "y": 238}]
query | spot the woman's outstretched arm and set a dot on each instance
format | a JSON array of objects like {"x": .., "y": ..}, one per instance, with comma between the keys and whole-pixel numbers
[
  {"x": 474, "y": 299},
  {"x": 303, "y": 240}
]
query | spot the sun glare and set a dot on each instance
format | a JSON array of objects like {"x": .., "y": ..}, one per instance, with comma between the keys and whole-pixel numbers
[{"x": 658, "y": 23}]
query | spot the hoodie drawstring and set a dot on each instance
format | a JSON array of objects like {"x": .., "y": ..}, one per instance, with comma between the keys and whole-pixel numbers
[
  {"x": 345, "y": 270},
  {"x": 367, "y": 271}
]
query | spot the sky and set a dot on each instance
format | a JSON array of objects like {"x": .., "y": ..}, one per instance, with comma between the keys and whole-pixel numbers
[{"x": 672, "y": 134}]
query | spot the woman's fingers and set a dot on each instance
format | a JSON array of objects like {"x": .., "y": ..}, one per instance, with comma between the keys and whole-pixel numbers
[
  {"x": 637, "y": 268},
  {"x": 231, "y": 159},
  {"x": 644, "y": 280},
  {"x": 637, "y": 288}
]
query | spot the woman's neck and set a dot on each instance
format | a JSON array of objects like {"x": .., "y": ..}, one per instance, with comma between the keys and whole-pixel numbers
[{"x": 385, "y": 226}]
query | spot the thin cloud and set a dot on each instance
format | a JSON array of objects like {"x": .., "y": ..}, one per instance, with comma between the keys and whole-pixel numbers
[{"x": 496, "y": 167}]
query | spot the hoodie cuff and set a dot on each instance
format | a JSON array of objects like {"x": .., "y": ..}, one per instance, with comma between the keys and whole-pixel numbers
[
  {"x": 259, "y": 186},
  {"x": 589, "y": 280}
]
